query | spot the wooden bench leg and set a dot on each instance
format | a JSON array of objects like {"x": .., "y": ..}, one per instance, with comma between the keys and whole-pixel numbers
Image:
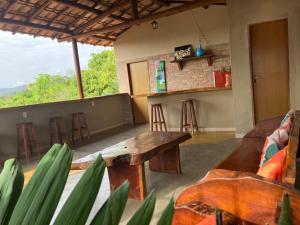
[
  {"x": 135, "y": 174},
  {"x": 167, "y": 162}
]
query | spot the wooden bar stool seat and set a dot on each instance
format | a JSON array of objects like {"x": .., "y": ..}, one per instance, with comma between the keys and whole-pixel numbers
[
  {"x": 157, "y": 118},
  {"x": 188, "y": 116},
  {"x": 80, "y": 130},
  {"x": 27, "y": 137},
  {"x": 58, "y": 130}
]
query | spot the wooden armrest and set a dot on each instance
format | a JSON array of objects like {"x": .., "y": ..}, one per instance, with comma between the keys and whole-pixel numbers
[
  {"x": 289, "y": 173},
  {"x": 80, "y": 166},
  {"x": 245, "y": 195}
]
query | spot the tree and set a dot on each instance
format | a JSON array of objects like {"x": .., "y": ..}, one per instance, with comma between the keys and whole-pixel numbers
[
  {"x": 101, "y": 76},
  {"x": 99, "y": 79}
]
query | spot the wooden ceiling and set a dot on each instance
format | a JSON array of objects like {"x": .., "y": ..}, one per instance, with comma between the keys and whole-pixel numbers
[{"x": 96, "y": 22}]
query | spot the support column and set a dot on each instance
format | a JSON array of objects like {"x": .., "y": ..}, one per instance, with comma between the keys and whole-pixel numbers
[{"x": 77, "y": 68}]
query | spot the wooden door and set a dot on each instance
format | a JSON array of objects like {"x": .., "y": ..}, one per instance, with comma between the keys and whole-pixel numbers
[
  {"x": 270, "y": 68},
  {"x": 140, "y": 88}
]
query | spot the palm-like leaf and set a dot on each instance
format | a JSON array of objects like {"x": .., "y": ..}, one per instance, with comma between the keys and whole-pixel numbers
[
  {"x": 112, "y": 211},
  {"x": 167, "y": 215},
  {"x": 145, "y": 212},
  {"x": 39, "y": 199},
  {"x": 80, "y": 202},
  {"x": 11, "y": 185}
]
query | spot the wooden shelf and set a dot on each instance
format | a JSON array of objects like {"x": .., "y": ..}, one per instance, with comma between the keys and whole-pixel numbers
[{"x": 180, "y": 62}]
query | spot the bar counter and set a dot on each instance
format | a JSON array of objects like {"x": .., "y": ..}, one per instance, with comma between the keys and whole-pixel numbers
[{"x": 213, "y": 106}]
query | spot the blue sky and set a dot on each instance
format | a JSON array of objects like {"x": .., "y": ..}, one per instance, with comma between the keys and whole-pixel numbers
[{"x": 22, "y": 57}]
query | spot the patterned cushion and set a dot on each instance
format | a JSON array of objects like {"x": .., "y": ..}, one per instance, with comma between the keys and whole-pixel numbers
[
  {"x": 277, "y": 140},
  {"x": 270, "y": 148},
  {"x": 287, "y": 121},
  {"x": 273, "y": 169}
]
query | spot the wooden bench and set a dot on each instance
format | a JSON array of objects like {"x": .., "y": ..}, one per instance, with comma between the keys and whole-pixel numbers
[
  {"x": 251, "y": 198},
  {"x": 234, "y": 187},
  {"x": 125, "y": 160},
  {"x": 246, "y": 157}
]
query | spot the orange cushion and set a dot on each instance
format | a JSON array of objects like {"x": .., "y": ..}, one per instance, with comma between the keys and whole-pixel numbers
[
  {"x": 210, "y": 220},
  {"x": 273, "y": 168}
]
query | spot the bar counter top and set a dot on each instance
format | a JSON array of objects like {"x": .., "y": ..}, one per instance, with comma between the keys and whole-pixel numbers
[{"x": 204, "y": 89}]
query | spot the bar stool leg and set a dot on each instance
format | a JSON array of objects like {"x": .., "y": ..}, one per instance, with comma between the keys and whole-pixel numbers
[
  {"x": 191, "y": 118},
  {"x": 56, "y": 129},
  {"x": 163, "y": 118},
  {"x": 64, "y": 130},
  {"x": 155, "y": 119},
  {"x": 159, "y": 118},
  {"x": 25, "y": 142},
  {"x": 85, "y": 125},
  {"x": 186, "y": 118},
  {"x": 194, "y": 117},
  {"x": 151, "y": 119},
  {"x": 50, "y": 132},
  {"x": 34, "y": 135},
  {"x": 79, "y": 131},
  {"x": 73, "y": 129},
  {"x": 18, "y": 141}
]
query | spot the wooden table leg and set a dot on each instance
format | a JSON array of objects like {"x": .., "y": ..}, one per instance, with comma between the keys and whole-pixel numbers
[
  {"x": 135, "y": 174},
  {"x": 167, "y": 162}
]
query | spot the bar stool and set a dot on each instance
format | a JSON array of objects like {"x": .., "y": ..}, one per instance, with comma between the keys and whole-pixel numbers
[
  {"x": 26, "y": 136},
  {"x": 157, "y": 118},
  {"x": 58, "y": 130},
  {"x": 79, "y": 127},
  {"x": 188, "y": 116}
]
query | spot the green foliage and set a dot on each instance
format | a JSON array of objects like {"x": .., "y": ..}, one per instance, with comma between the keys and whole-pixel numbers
[
  {"x": 145, "y": 212},
  {"x": 40, "y": 197},
  {"x": 80, "y": 202},
  {"x": 167, "y": 215},
  {"x": 11, "y": 185},
  {"x": 285, "y": 215},
  {"x": 100, "y": 78},
  {"x": 112, "y": 210}
]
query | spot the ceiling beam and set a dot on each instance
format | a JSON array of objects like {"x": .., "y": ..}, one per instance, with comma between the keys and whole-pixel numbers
[
  {"x": 39, "y": 9},
  {"x": 33, "y": 25},
  {"x": 134, "y": 8},
  {"x": 161, "y": 2},
  {"x": 9, "y": 6},
  {"x": 104, "y": 14},
  {"x": 165, "y": 13},
  {"x": 86, "y": 8},
  {"x": 79, "y": 6}
]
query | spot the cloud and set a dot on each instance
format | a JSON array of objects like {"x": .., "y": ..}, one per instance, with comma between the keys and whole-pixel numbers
[{"x": 23, "y": 57}]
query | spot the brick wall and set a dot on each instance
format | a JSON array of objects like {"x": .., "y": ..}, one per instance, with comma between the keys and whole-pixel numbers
[{"x": 194, "y": 74}]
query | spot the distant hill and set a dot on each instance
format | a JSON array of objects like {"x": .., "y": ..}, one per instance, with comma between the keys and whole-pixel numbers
[{"x": 11, "y": 91}]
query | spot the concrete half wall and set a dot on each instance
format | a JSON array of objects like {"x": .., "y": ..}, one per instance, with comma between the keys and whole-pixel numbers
[{"x": 102, "y": 114}]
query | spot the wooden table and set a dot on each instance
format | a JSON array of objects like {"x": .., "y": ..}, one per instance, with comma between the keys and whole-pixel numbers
[{"x": 125, "y": 160}]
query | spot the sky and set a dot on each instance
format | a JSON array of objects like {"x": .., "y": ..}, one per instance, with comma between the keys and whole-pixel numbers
[{"x": 23, "y": 57}]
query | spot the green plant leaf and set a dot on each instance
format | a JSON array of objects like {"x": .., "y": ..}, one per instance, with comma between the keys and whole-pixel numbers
[
  {"x": 144, "y": 214},
  {"x": 167, "y": 215},
  {"x": 80, "y": 202},
  {"x": 11, "y": 185},
  {"x": 285, "y": 214},
  {"x": 40, "y": 197},
  {"x": 112, "y": 211}
]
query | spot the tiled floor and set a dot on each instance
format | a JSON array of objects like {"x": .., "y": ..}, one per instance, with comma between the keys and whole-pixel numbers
[{"x": 198, "y": 155}]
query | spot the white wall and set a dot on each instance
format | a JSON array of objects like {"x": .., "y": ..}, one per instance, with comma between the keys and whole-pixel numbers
[
  {"x": 242, "y": 14},
  {"x": 142, "y": 41}
]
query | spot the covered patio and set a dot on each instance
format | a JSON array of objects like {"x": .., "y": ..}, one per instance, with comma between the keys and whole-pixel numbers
[{"x": 209, "y": 83}]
